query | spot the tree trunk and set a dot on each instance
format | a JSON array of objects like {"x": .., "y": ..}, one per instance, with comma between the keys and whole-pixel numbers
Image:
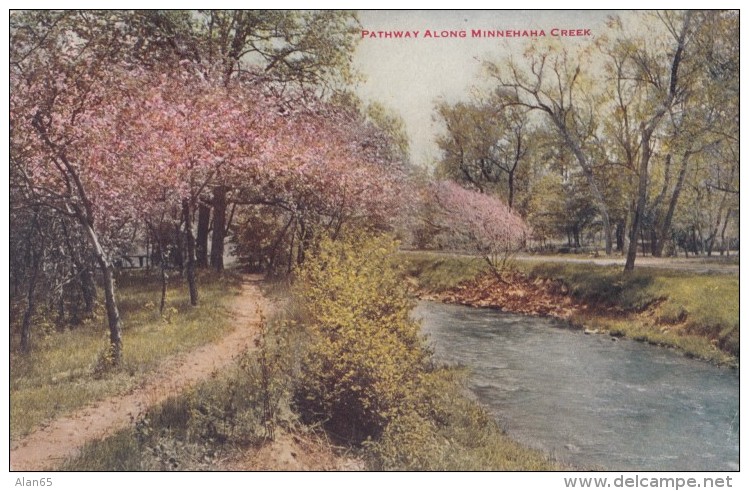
[
  {"x": 695, "y": 251},
  {"x": 302, "y": 242},
  {"x": 179, "y": 251},
  {"x": 511, "y": 186},
  {"x": 620, "y": 226},
  {"x": 164, "y": 279},
  {"x": 663, "y": 226},
  {"x": 274, "y": 250},
  {"x": 219, "y": 227},
  {"x": 201, "y": 241},
  {"x": 113, "y": 314},
  {"x": 190, "y": 263},
  {"x": 723, "y": 244},
  {"x": 628, "y": 227},
  {"x": 642, "y": 192},
  {"x": 645, "y": 142}
]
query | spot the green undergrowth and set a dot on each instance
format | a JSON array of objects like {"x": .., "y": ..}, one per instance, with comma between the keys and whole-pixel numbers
[
  {"x": 62, "y": 372},
  {"x": 239, "y": 408}
]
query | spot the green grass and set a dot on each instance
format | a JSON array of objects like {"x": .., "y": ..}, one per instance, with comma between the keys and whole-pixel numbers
[
  {"x": 119, "y": 452},
  {"x": 186, "y": 432},
  {"x": 601, "y": 285},
  {"x": 690, "y": 311},
  {"x": 59, "y": 375},
  {"x": 438, "y": 272}
]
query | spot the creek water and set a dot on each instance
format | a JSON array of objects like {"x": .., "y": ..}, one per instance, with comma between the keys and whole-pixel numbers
[{"x": 587, "y": 400}]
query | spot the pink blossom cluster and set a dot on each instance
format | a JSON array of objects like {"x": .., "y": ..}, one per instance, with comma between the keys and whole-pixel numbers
[
  {"x": 140, "y": 141},
  {"x": 479, "y": 221}
]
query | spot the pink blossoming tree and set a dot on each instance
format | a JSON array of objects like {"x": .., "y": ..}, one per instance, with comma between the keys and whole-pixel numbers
[{"x": 480, "y": 223}]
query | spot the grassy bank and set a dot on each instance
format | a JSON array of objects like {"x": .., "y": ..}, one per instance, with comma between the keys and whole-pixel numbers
[
  {"x": 695, "y": 313},
  {"x": 61, "y": 373}
]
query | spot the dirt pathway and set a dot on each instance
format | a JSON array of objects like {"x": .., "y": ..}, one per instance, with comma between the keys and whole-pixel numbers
[{"x": 48, "y": 446}]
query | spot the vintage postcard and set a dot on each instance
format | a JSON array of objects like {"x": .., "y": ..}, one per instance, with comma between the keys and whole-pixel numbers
[{"x": 378, "y": 240}]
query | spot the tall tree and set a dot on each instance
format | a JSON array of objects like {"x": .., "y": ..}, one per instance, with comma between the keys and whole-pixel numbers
[
  {"x": 553, "y": 81},
  {"x": 484, "y": 144},
  {"x": 651, "y": 81}
]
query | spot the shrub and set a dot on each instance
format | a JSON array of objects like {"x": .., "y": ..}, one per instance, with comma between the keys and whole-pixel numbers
[{"x": 366, "y": 359}]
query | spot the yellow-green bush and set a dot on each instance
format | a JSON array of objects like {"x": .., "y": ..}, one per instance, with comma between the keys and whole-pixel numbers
[{"x": 366, "y": 360}]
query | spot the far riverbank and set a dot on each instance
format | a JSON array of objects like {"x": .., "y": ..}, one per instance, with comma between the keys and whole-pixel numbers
[{"x": 692, "y": 312}]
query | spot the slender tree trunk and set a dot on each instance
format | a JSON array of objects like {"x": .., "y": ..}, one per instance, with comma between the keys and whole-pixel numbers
[
  {"x": 642, "y": 192},
  {"x": 723, "y": 244},
  {"x": 302, "y": 243},
  {"x": 84, "y": 265},
  {"x": 164, "y": 276},
  {"x": 219, "y": 227},
  {"x": 201, "y": 241},
  {"x": 511, "y": 186},
  {"x": 276, "y": 244},
  {"x": 113, "y": 314},
  {"x": 164, "y": 280},
  {"x": 179, "y": 250},
  {"x": 695, "y": 251},
  {"x": 710, "y": 243},
  {"x": 628, "y": 227},
  {"x": 190, "y": 263},
  {"x": 620, "y": 225},
  {"x": 664, "y": 225}
]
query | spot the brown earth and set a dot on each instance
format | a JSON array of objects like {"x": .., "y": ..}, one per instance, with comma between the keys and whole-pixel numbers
[
  {"x": 517, "y": 293},
  {"x": 293, "y": 452},
  {"x": 50, "y": 445}
]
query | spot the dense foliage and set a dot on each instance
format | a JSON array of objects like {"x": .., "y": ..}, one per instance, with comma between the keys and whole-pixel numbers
[{"x": 367, "y": 359}]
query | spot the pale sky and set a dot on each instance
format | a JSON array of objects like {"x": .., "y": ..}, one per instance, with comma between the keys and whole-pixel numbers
[{"x": 408, "y": 75}]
